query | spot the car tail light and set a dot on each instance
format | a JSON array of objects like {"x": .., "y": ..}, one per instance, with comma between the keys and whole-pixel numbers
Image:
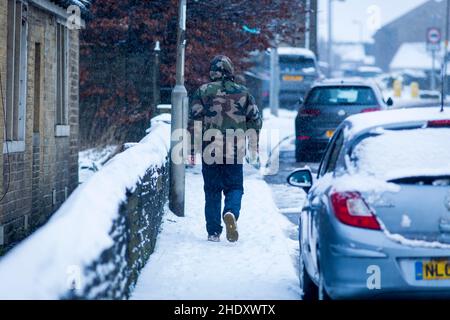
[
  {"x": 351, "y": 209},
  {"x": 309, "y": 112},
  {"x": 303, "y": 138},
  {"x": 370, "y": 110},
  {"x": 439, "y": 124},
  {"x": 265, "y": 94}
]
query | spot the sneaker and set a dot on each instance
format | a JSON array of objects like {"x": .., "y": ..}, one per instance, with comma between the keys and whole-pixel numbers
[
  {"x": 231, "y": 227},
  {"x": 214, "y": 238}
]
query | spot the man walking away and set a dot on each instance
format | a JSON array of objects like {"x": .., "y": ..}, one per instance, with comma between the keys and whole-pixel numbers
[{"x": 223, "y": 106}]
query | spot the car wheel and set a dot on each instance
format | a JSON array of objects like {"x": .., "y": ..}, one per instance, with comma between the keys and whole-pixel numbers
[
  {"x": 309, "y": 289},
  {"x": 322, "y": 292}
]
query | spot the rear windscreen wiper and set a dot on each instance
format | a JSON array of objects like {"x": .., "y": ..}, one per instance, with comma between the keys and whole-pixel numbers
[{"x": 424, "y": 180}]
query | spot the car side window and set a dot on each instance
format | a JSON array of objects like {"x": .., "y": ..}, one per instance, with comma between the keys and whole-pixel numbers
[
  {"x": 324, "y": 162},
  {"x": 334, "y": 155},
  {"x": 326, "y": 158}
]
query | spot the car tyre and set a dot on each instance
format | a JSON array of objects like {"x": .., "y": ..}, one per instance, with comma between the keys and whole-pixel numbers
[
  {"x": 309, "y": 288},
  {"x": 321, "y": 291}
]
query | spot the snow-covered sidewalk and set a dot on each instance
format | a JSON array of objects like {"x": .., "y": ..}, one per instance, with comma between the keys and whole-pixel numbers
[{"x": 259, "y": 266}]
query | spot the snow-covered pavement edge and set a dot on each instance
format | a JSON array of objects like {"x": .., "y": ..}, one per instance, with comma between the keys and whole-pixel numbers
[{"x": 259, "y": 266}]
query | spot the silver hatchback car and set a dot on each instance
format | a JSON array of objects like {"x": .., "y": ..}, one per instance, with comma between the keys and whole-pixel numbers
[{"x": 377, "y": 219}]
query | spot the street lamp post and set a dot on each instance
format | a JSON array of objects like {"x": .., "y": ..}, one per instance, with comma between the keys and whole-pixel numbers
[
  {"x": 179, "y": 122},
  {"x": 330, "y": 35},
  {"x": 444, "y": 62},
  {"x": 308, "y": 25},
  {"x": 155, "y": 80},
  {"x": 274, "y": 95}
]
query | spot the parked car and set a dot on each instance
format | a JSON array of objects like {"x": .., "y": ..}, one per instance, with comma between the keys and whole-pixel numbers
[
  {"x": 369, "y": 72},
  {"x": 326, "y": 105},
  {"x": 376, "y": 222},
  {"x": 299, "y": 69}
]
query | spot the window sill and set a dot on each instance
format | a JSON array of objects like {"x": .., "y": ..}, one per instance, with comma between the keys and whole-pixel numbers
[
  {"x": 13, "y": 146},
  {"x": 62, "y": 130}
]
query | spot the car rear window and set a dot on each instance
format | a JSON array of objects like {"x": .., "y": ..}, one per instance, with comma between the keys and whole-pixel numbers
[
  {"x": 399, "y": 154},
  {"x": 342, "y": 95},
  {"x": 296, "y": 63}
]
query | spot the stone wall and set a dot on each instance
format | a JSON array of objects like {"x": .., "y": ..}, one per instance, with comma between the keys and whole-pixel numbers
[
  {"x": 114, "y": 274},
  {"x": 96, "y": 244}
]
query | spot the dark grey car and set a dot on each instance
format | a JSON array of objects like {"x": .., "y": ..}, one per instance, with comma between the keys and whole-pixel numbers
[
  {"x": 298, "y": 72},
  {"x": 325, "y": 106}
]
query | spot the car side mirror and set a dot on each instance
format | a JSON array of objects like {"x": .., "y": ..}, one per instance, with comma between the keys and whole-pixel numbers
[
  {"x": 390, "y": 102},
  {"x": 302, "y": 179}
]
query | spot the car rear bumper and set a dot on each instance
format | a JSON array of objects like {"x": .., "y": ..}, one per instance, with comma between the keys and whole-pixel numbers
[
  {"x": 351, "y": 280},
  {"x": 313, "y": 136},
  {"x": 353, "y": 260}
]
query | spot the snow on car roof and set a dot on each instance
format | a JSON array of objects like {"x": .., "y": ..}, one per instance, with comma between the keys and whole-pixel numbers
[
  {"x": 296, "y": 51},
  {"x": 366, "y": 121},
  {"x": 345, "y": 82},
  {"x": 370, "y": 69}
]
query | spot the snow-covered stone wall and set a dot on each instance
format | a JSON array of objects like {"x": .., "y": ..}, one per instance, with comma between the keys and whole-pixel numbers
[
  {"x": 114, "y": 274},
  {"x": 96, "y": 244}
]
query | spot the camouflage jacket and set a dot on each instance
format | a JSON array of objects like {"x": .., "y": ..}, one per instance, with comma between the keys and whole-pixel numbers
[{"x": 223, "y": 105}]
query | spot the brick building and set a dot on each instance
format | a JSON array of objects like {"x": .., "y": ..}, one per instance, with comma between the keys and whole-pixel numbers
[{"x": 39, "y": 51}]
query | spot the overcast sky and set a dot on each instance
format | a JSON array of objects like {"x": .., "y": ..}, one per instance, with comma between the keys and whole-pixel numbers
[{"x": 356, "y": 18}]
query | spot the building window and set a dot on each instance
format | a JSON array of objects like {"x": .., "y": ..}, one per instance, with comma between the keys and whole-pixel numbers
[
  {"x": 61, "y": 78},
  {"x": 16, "y": 88}
]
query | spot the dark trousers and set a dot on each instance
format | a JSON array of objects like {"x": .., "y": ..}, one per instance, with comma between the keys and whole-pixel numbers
[{"x": 218, "y": 178}]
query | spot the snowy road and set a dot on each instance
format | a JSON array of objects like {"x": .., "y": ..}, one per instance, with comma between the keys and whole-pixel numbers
[
  {"x": 261, "y": 265},
  {"x": 289, "y": 200}
]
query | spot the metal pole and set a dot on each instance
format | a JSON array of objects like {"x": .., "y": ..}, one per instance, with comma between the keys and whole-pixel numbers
[
  {"x": 308, "y": 25},
  {"x": 433, "y": 70},
  {"x": 274, "y": 79},
  {"x": 277, "y": 81},
  {"x": 179, "y": 107},
  {"x": 444, "y": 63},
  {"x": 156, "y": 87},
  {"x": 330, "y": 36}
]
